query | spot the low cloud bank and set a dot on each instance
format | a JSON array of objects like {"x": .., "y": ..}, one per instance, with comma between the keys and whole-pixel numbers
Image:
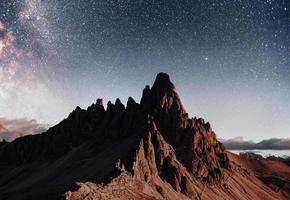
[
  {"x": 11, "y": 129},
  {"x": 274, "y": 143}
]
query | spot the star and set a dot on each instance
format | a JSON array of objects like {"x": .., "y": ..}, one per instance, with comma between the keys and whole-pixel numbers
[{"x": 222, "y": 54}]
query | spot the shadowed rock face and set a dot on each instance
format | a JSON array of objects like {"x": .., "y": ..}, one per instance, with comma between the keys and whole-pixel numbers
[
  {"x": 153, "y": 147},
  {"x": 164, "y": 104},
  {"x": 194, "y": 142}
]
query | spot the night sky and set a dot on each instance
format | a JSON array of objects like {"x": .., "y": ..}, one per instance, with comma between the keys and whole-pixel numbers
[{"x": 229, "y": 59}]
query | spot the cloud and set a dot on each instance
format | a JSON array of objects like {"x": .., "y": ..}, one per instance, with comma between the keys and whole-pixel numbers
[
  {"x": 273, "y": 143},
  {"x": 11, "y": 129}
]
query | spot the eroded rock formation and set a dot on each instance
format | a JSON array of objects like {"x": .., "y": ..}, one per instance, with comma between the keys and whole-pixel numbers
[{"x": 151, "y": 150}]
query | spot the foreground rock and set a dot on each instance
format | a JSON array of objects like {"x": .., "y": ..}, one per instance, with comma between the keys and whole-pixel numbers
[{"x": 151, "y": 150}]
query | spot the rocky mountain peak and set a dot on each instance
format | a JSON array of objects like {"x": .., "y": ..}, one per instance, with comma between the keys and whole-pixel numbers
[
  {"x": 163, "y": 103},
  {"x": 162, "y": 95},
  {"x": 99, "y": 102},
  {"x": 154, "y": 144},
  {"x": 163, "y": 83}
]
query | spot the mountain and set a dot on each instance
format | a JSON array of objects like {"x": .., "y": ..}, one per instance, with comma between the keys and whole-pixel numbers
[
  {"x": 147, "y": 150},
  {"x": 238, "y": 143},
  {"x": 272, "y": 143},
  {"x": 275, "y": 174}
]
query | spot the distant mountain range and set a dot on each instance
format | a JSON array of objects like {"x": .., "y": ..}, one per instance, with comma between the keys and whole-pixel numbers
[
  {"x": 274, "y": 143},
  {"x": 150, "y": 150}
]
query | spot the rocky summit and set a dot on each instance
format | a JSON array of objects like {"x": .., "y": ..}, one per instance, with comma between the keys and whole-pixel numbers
[{"x": 147, "y": 150}]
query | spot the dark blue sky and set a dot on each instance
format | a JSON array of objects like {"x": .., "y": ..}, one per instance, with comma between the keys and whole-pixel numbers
[{"x": 229, "y": 59}]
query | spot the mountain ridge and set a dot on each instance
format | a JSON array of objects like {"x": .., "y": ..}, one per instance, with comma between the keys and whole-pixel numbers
[{"x": 153, "y": 144}]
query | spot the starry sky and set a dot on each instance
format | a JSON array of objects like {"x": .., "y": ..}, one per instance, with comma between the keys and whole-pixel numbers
[{"x": 229, "y": 59}]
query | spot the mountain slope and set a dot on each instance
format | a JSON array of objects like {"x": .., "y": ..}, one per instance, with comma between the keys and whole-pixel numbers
[
  {"x": 275, "y": 174},
  {"x": 151, "y": 150}
]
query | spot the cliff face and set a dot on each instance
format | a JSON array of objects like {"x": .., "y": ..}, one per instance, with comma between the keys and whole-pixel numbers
[
  {"x": 194, "y": 143},
  {"x": 151, "y": 150}
]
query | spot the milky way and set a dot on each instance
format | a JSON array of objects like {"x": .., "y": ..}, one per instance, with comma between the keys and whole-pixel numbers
[{"x": 230, "y": 59}]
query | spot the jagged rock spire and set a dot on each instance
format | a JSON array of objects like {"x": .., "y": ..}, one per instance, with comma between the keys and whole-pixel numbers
[
  {"x": 162, "y": 94},
  {"x": 163, "y": 102}
]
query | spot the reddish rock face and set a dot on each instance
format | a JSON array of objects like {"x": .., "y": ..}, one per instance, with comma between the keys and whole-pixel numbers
[
  {"x": 151, "y": 150},
  {"x": 163, "y": 102},
  {"x": 192, "y": 139}
]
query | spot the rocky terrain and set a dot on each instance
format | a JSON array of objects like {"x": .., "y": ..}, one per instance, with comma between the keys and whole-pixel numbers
[
  {"x": 147, "y": 150},
  {"x": 274, "y": 173}
]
